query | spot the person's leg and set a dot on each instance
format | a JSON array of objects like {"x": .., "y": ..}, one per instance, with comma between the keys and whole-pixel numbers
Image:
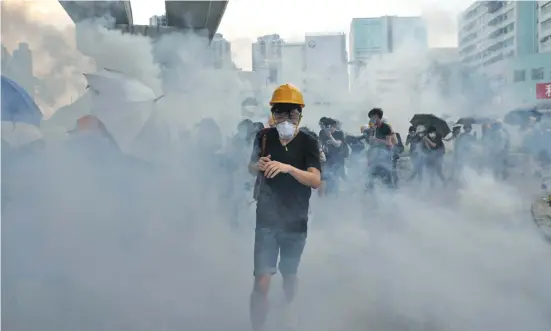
[
  {"x": 291, "y": 245},
  {"x": 440, "y": 169},
  {"x": 395, "y": 170},
  {"x": 266, "y": 250}
]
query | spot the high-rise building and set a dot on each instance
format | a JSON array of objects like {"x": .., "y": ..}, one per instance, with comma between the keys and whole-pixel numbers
[
  {"x": 266, "y": 56},
  {"x": 491, "y": 31},
  {"x": 371, "y": 37},
  {"x": 544, "y": 26},
  {"x": 220, "y": 51},
  {"x": 158, "y": 20},
  {"x": 293, "y": 64},
  {"x": 22, "y": 67},
  {"x": 326, "y": 66}
]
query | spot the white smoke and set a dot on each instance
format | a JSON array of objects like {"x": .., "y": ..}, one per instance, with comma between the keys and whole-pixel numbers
[{"x": 92, "y": 243}]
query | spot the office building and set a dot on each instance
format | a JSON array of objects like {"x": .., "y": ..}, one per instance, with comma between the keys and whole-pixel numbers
[
  {"x": 326, "y": 66},
  {"x": 544, "y": 26},
  {"x": 293, "y": 64},
  {"x": 220, "y": 50},
  {"x": 158, "y": 20},
  {"x": 21, "y": 65},
  {"x": 266, "y": 57},
  {"x": 372, "y": 37},
  {"x": 491, "y": 31}
]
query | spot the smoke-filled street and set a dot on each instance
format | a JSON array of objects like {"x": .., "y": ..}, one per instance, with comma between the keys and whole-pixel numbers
[{"x": 187, "y": 174}]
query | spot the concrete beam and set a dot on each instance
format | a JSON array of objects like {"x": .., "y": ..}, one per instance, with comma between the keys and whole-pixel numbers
[
  {"x": 79, "y": 11},
  {"x": 196, "y": 15}
]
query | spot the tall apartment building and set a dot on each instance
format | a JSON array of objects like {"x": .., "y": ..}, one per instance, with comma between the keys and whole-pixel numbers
[
  {"x": 158, "y": 20},
  {"x": 293, "y": 64},
  {"x": 220, "y": 50},
  {"x": 375, "y": 36},
  {"x": 21, "y": 67},
  {"x": 544, "y": 26},
  {"x": 266, "y": 57},
  {"x": 491, "y": 31},
  {"x": 326, "y": 66}
]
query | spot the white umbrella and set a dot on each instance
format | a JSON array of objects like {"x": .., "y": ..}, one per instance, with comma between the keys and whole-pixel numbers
[
  {"x": 114, "y": 85},
  {"x": 122, "y": 103}
]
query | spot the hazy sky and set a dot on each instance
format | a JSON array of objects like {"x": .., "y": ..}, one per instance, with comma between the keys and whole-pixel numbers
[{"x": 245, "y": 20}]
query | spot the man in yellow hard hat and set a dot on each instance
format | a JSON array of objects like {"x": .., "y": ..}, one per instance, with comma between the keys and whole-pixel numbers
[{"x": 286, "y": 161}]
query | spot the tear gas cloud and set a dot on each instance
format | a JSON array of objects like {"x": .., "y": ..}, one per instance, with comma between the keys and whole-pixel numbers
[{"x": 146, "y": 242}]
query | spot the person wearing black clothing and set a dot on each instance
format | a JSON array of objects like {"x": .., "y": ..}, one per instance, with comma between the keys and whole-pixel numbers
[
  {"x": 286, "y": 161},
  {"x": 381, "y": 142},
  {"x": 336, "y": 151},
  {"x": 435, "y": 150},
  {"x": 415, "y": 141}
]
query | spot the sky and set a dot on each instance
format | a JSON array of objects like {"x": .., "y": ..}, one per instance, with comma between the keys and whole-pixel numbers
[{"x": 245, "y": 20}]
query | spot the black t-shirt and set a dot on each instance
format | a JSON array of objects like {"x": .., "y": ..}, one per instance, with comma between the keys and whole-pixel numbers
[
  {"x": 382, "y": 132},
  {"x": 378, "y": 151},
  {"x": 439, "y": 149},
  {"x": 282, "y": 201},
  {"x": 334, "y": 154}
]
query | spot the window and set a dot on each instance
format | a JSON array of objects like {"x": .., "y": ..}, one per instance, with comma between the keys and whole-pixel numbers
[
  {"x": 546, "y": 25},
  {"x": 537, "y": 74},
  {"x": 519, "y": 76}
]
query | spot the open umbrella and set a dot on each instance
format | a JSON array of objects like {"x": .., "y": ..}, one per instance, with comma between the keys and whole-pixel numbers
[
  {"x": 114, "y": 85},
  {"x": 17, "y": 104},
  {"x": 430, "y": 120},
  {"x": 521, "y": 116}
]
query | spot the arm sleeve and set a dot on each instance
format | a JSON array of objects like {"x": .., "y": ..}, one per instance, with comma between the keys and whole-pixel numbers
[{"x": 312, "y": 153}]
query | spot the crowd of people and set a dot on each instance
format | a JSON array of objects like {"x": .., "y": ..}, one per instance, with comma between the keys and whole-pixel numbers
[{"x": 287, "y": 161}]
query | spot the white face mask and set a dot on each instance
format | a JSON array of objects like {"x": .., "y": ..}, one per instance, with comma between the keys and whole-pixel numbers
[
  {"x": 432, "y": 135},
  {"x": 286, "y": 130}
]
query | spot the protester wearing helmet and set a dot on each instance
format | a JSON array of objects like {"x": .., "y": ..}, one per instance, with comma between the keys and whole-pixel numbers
[{"x": 286, "y": 161}]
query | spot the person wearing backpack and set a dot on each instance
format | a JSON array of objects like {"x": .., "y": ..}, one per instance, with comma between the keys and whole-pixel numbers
[{"x": 286, "y": 161}]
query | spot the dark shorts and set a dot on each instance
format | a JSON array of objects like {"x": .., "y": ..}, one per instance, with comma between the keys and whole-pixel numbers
[{"x": 271, "y": 243}]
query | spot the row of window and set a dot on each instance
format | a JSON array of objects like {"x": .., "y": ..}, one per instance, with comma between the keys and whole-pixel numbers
[
  {"x": 536, "y": 74},
  {"x": 488, "y": 52},
  {"x": 546, "y": 25}
]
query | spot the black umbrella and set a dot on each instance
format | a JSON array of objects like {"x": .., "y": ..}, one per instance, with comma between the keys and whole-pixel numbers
[
  {"x": 474, "y": 120},
  {"x": 521, "y": 116},
  {"x": 429, "y": 120}
]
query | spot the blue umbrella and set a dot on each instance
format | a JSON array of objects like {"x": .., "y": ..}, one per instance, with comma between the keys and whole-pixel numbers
[{"x": 17, "y": 104}]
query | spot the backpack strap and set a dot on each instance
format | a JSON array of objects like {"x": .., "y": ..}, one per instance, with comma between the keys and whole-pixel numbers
[{"x": 263, "y": 137}]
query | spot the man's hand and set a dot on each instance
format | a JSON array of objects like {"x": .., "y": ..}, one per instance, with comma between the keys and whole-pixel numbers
[
  {"x": 263, "y": 162},
  {"x": 274, "y": 167}
]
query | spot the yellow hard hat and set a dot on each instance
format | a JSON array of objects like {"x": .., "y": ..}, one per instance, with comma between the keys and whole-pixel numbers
[{"x": 287, "y": 94}]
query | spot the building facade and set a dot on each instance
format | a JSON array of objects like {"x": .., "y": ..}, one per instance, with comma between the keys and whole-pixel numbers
[
  {"x": 374, "y": 37},
  {"x": 220, "y": 50},
  {"x": 544, "y": 26},
  {"x": 326, "y": 66},
  {"x": 293, "y": 64},
  {"x": 492, "y": 31},
  {"x": 158, "y": 20},
  {"x": 266, "y": 57},
  {"x": 528, "y": 80}
]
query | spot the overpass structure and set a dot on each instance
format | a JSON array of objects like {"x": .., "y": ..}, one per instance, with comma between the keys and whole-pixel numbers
[{"x": 202, "y": 17}]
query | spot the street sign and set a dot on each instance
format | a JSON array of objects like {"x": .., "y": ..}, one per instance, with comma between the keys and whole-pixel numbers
[{"x": 543, "y": 90}]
